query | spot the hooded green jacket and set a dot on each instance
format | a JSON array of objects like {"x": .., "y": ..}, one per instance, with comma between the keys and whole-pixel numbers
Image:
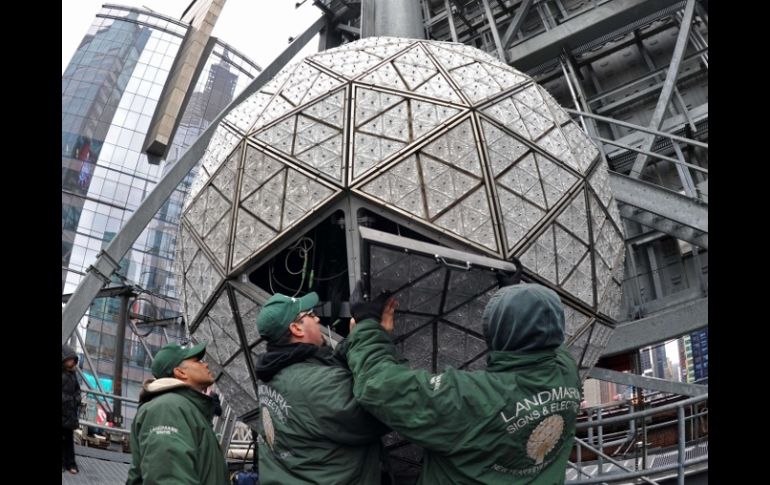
[
  {"x": 172, "y": 441},
  {"x": 312, "y": 430},
  {"x": 513, "y": 423}
]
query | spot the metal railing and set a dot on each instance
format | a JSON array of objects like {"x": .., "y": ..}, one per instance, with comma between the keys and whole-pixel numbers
[
  {"x": 637, "y": 465},
  {"x": 672, "y": 138}
]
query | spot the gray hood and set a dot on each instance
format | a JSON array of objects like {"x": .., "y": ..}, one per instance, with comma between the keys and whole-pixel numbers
[
  {"x": 524, "y": 318},
  {"x": 68, "y": 352}
]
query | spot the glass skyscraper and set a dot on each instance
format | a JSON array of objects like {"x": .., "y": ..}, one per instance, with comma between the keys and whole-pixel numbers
[{"x": 110, "y": 91}]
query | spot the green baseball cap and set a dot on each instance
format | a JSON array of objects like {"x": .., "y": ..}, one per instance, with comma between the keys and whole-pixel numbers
[
  {"x": 279, "y": 311},
  {"x": 172, "y": 355}
]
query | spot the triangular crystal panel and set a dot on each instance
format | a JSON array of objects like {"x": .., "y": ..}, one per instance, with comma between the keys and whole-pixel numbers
[
  {"x": 502, "y": 148},
  {"x": 519, "y": 215},
  {"x": 266, "y": 203},
  {"x": 258, "y": 168},
  {"x": 250, "y": 235},
  {"x": 541, "y": 256}
]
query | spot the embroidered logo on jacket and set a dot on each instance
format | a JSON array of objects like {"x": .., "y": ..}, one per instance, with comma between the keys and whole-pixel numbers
[
  {"x": 435, "y": 381},
  {"x": 267, "y": 425},
  {"x": 163, "y": 429},
  {"x": 544, "y": 437}
]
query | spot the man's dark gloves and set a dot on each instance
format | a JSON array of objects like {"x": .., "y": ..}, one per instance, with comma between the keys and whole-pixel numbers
[
  {"x": 507, "y": 278},
  {"x": 361, "y": 310}
]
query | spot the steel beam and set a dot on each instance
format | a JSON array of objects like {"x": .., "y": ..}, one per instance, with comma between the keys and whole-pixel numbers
[
  {"x": 644, "y": 382},
  {"x": 679, "y": 106},
  {"x": 660, "y": 327},
  {"x": 571, "y": 71},
  {"x": 108, "y": 292},
  {"x": 684, "y": 175},
  {"x": 654, "y": 272},
  {"x": 515, "y": 25},
  {"x": 668, "y": 86},
  {"x": 99, "y": 273},
  {"x": 104, "y": 405},
  {"x": 323, "y": 7},
  {"x": 351, "y": 30},
  {"x": 661, "y": 201},
  {"x": 697, "y": 38},
  {"x": 493, "y": 28},
  {"x": 646, "y": 92},
  {"x": 620, "y": 44},
  {"x": 182, "y": 77},
  {"x": 653, "y": 74},
  {"x": 545, "y": 18},
  {"x": 582, "y": 29},
  {"x": 686, "y": 141},
  {"x": 678, "y": 161},
  {"x": 658, "y": 223},
  {"x": 451, "y": 19},
  {"x": 330, "y": 36},
  {"x": 633, "y": 281}
]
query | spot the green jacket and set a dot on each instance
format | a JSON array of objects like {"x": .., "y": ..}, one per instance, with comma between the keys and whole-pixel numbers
[
  {"x": 513, "y": 423},
  {"x": 312, "y": 431},
  {"x": 172, "y": 442}
]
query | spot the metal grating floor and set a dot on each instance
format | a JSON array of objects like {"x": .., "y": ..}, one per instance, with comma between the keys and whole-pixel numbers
[{"x": 98, "y": 467}]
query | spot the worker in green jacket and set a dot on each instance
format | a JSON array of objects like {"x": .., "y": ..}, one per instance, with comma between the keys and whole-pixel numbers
[
  {"x": 312, "y": 430},
  {"x": 172, "y": 442},
  {"x": 512, "y": 423}
]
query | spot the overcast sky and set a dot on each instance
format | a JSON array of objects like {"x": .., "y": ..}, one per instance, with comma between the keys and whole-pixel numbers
[{"x": 260, "y": 29}]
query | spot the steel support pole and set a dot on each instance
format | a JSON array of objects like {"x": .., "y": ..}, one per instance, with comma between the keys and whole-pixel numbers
[
  {"x": 684, "y": 175},
  {"x": 99, "y": 273},
  {"x": 600, "y": 470},
  {"x": 700, "y": 43},
  {"x": 644, "y": 438},
  {"x": 678, "y": 104},
  {"x": 598, "y": 88},
  {"x": 515, "y": 25},
  {"x": 668, "y": 86},
  {"x": 654, "y": 272},
  {"x": 393, "y": 18},
  {"x": 329, "y": 37},
  {"x": 367, "y": 18},
  {"x": 451, "y": 19},
  {"x": 543, "y": 17},
  {"x": 634, "y": 282},
  {"x": 571, "y": 70},
  {"x": 120, "y": 340},
  {"x": 104, "y": 405},
  {"x": 107, "y": 394},
  {"x": 579, "y": 458},
  {"x": 704, "y": 286},
  {"x": 570, "y": 78},
  {"x": 493, "y": 29},
  {"x": 682, "y": 455}
]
